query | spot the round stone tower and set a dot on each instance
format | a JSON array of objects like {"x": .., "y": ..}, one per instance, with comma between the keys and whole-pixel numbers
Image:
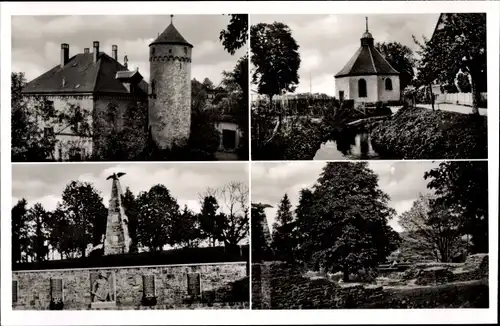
[{"x": 170, "y": 89}]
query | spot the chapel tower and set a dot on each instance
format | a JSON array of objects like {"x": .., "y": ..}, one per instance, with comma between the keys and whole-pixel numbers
[{"x": 170, "y": 88}]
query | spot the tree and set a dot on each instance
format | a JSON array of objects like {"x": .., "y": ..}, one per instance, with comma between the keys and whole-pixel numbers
[
  {"x": 29, "y": 142},
  {"x": 208, "y": 219},
  {"x": 283, "y": 241},
  {"x": 459, "y": 45},
  {"x": 39, "y": 217},
  {"x": 401, "y": 58},
  {"x": 20, "y": 232},
  {"x": 347, "y": 227},
  {"x": 434, "y": 228},
  {"x": 232, "y": 218},
  {"x": 236, "y": 34},
  {"x": 207, "y": 83},
  {"x": 61, "y": 233},
  {"x": 275, "y": 57},
  {"x": 157, "y": 210},
  {"x": 463, "y": 83},
  {"x": 130, "y": 206},
  {"x": 303, "y": 212},
  {"x": 83, "y": 214},
  {"x": 462, "y": 186},
  {"x": 186, "y": 229},
  {"x": 236, "y": 84}
]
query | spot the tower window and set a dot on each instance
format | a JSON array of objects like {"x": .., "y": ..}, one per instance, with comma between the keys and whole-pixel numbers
[
  {"x": 388, "y": 84},
  {"x": 152, "y": 50},
  {"x": 185, "y": 50},
  {"x": 180, "y": 65},
  {"x": 152, "y": 87},
  {"x": 169, "y": 50},
  {"x": 361, "y": 88}
]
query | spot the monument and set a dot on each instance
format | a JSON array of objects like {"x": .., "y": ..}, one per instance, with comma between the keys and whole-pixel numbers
[{"x": 117, "y": 239}]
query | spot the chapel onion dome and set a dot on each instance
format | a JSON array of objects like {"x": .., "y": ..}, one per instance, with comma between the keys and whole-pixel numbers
[{"x": 171, "y": 36}]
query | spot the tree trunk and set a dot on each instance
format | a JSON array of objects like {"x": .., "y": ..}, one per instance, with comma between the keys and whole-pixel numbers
[
  {"x": 431, "y": 96},
  {"x": 475, "y": 95},
  {"x": 346, "y": 274}
]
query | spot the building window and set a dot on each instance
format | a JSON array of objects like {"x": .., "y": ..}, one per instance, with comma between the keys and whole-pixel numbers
[
  {"x": 361, "y": 88},
  {"x": 48, "y": 132},
  {"x": 341, "y": 95},
  {"x": 194, "y": 284},
  {"x": 153, "y": 90},
  {"x": 388, "y": 84},
  {"x": 14, "y": 291},
  {"x": 111, "y": 115}
]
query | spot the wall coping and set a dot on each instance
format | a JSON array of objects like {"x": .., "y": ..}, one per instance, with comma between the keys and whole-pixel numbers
[{"x": 124, "y": 267}]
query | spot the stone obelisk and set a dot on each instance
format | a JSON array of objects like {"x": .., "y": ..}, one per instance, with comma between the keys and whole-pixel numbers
[{"x": 117, "y": 239}]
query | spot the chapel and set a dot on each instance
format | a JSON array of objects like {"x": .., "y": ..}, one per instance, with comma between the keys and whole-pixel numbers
[{"x": 367, "y": 77}]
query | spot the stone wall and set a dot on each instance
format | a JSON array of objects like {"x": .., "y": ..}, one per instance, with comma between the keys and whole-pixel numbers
[
  {"x": 277, "y": 285},
  {"x": 170, "y": 101},
  {"x": 171, "y": 286}
]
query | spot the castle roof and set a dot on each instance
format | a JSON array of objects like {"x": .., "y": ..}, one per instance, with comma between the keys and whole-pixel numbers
[
  {"x": 367, "y": 60},
  {"x": 82, "y": 75},
  {"x": 171, "y": 36}
]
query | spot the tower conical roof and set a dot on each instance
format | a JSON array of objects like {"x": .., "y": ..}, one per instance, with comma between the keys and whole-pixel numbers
[{"x": 171, "y": 36}]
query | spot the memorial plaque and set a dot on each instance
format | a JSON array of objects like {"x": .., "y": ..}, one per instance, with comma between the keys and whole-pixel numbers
[
  {"x": 56, "y": 289},
  {"x": 102, "y": 287},
  {"x": 194, "y": 288},
  {"x": 14, "y": 291},
  {"x": 148, "y": 284}
]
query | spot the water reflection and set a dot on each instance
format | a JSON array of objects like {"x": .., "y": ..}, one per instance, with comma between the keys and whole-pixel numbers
[{"x": 347, "y": 145}]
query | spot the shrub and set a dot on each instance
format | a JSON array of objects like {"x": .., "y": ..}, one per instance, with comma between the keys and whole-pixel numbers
[{"x": 415, "y": 133}]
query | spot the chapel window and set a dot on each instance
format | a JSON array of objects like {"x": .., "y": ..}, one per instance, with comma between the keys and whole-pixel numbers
[
  {"x": 388, "y": 84},
  {"x": 361, "y": 88}
]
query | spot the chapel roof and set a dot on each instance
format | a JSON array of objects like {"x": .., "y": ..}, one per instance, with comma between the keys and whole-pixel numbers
[
  {"x": 171, "y": 36},
  {"x": 367, "y": 60},
  {"x": 82, "y": 75}
]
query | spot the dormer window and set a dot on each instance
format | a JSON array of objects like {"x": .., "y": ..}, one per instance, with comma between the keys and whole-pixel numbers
[
  {"x": 388, "y": 84},
  {"x": 185, "y": 50}
]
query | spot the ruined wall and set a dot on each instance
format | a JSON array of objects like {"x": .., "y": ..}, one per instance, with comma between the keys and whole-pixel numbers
[
  {"x": 277, "y": 285},
  {"x": 170, "y": 94},
  {"x": 171, "y": 286}
]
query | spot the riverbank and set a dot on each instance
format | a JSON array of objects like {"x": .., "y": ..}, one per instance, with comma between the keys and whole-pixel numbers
[{"x": 418, "y": 133}]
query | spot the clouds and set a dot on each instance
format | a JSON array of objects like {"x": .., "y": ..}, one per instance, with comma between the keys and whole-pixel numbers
[
  {"x": 36, "y": 40},
  {"x": 327, "y": 42},
  {"x": 45, "y": 183},
  {"x": 402, "y": 181}
]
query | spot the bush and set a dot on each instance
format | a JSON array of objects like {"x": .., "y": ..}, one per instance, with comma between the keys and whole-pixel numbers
[{"x": 415, "y": 133}]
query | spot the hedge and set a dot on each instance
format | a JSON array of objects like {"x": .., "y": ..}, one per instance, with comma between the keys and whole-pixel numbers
[{"x": 167, "y": 257}]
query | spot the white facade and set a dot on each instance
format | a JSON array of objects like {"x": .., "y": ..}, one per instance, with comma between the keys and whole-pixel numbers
[{"x": 378, "y": 88}]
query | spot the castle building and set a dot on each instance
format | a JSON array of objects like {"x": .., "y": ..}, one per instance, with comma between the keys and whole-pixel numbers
[
  {"x": 368, "y": 77},
  {"x": 102, "y": 87},
  {"x": 170, "y": 88}
]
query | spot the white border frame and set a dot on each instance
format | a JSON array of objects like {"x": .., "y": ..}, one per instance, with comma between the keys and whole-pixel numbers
[{"x": 402, "y": 316}]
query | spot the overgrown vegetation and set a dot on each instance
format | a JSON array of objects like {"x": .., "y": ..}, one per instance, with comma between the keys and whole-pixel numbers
[{"x": 415, "y": 133}]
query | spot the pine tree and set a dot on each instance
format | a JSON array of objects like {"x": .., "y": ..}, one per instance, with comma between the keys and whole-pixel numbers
[{"x": 283, "y": 243}]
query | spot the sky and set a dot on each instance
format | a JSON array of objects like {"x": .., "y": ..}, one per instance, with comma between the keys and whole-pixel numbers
[
  {"x": 36, "y": 41},
  {"x": 327, "y": 42},
  {"x": 402, "y": 181},
  {"x": 44, "y": 183}
]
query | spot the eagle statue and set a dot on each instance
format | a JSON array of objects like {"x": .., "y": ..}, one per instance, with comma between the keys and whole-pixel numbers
[{"x": 115, "y": 176}]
